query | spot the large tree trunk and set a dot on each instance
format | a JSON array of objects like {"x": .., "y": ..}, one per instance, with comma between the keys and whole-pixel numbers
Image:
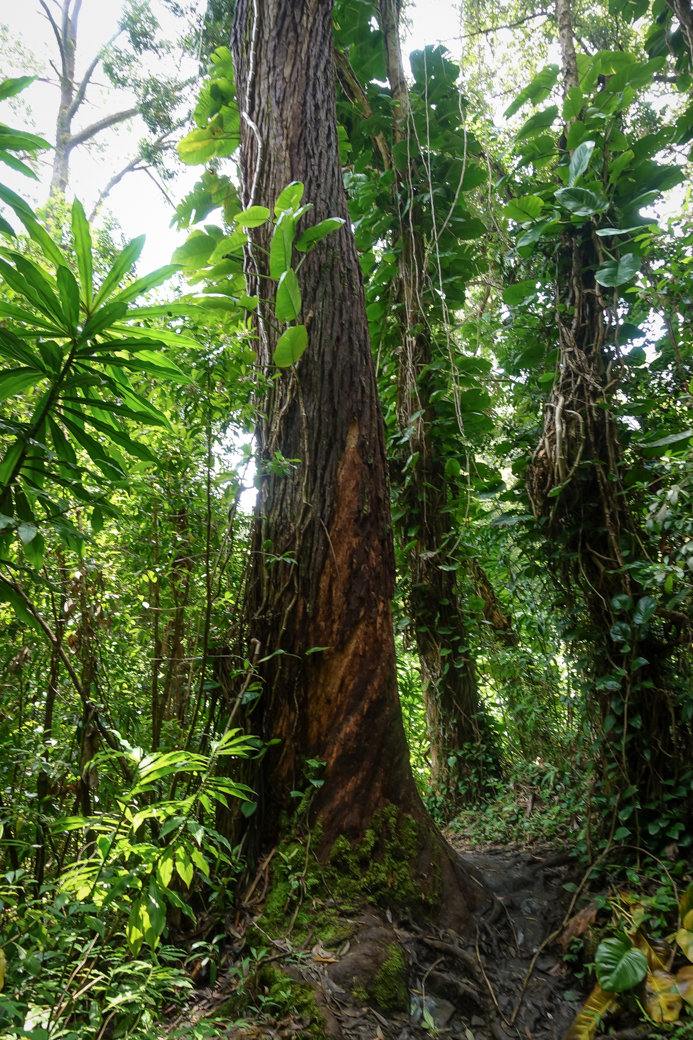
[
  {"x": 455, "y": 718},
  {"x": 323, "y": 566}
]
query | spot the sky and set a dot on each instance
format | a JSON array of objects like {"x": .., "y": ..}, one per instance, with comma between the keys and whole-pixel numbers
[{"x": 138, "y": 203}]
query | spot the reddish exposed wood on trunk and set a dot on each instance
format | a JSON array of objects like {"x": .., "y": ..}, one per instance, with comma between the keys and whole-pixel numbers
[{"x": 324, "y": 563}]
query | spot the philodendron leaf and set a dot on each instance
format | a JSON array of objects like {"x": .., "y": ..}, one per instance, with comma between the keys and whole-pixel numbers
[
  {"x": 312, "y": 235},
  {"x": 281, "y": 245},
  {"x": 287, "y": 305},
  {"x": 580, "y": 160},
  {"x": 619, "y": 965},
  {"x": 644, "y": 610},
  {"x": 581, "y": 202},
  {"x": 613, "y": 273},
  {"x": 291, "y": 346},
  {"x": 527, "y": 207},
  {"x": 598, "y": 1004},
  {"x": 289, "y": 198},
  {"x": 253, "y": 217},
  {"x": 536, "y": 92},
  {"x": 663, "y": 1000},
  {"x": 195, "y": 251}
]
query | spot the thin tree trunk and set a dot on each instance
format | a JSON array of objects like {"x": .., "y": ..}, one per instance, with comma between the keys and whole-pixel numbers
[
  {"x": 72, "y": 95},
  {"x": 451, "y": 696},
  {"x": 683, "y": 11}
]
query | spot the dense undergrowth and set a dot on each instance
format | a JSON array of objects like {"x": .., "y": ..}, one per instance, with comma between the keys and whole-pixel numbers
[{"x": 126, "y": 424}]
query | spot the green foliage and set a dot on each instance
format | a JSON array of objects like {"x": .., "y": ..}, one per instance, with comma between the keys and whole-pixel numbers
[
  {"x": 536, "y": 803},
  {"x": 619, "y": 965},
  {"x": 215, "y": 255},
  {"x": 74, "y": 346},
  {"x": 638, "y": 964},
  {"x": 67, "y": 967},
  {"x": 123, "y": 546},
  {"x": 111, "y": 562}
]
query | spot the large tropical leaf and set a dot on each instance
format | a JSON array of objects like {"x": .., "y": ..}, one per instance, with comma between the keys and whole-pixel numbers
[{"x": 619, "y": 965}]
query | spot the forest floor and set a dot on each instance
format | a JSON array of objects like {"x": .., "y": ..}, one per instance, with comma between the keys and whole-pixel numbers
[{"x": 506, "y": 979}]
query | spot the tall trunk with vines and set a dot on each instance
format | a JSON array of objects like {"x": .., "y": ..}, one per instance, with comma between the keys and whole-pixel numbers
[
  {"x": 462, "y": 753},
  {"x": 576, "y": 487}
]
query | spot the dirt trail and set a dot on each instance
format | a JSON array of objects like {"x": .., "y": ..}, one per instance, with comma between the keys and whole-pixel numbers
[
  {"x": 506, "y": 981},
  {"x": 532, "y": 987}
]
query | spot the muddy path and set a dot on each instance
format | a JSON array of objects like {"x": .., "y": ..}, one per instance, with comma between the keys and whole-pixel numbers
[{"x": 402, "y": 980}]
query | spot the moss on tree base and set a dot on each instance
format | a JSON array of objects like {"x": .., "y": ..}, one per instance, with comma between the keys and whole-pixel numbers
[
  {"x": 385, "y": 867},
  {"x": 390, "y": 867}
]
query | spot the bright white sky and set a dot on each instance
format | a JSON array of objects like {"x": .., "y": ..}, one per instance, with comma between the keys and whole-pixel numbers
[{"x": 138, "y": 203}]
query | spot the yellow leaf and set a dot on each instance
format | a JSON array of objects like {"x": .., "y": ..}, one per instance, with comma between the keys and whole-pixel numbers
[
  {"x": 685, "y": 940},
  {"x": 659, "y": 954},
  {"x": 686, "y": 904},
  {"x": 598, "y": 1004},
  {"x": 684, "y": 981},
  {"x": 662, "y": 997},
  {"x": 687, "y": 922},
  {"x": 3, "y": 966}
]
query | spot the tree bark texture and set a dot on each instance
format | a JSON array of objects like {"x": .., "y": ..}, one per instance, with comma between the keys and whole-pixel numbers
[
  {"x": 323, "y": 568},
  {"x": 566, "y": 40},
  {"x": 323, "y": 565}
]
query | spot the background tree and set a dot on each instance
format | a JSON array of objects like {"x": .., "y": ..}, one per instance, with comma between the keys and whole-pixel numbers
[
  {"x": 151, "y": 74},
  {"x": 411, "y": 174},
  {"x": 581, "y": 478}
]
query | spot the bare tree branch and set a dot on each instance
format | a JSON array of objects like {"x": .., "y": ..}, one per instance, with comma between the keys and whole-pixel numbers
[
  {"x": 136, "y": 165},
  {"x": 159, "y": 186},
  {"x": 82, "y": 88},
  {"x": 58, "y": 37},
  {"x": 511, "y": 25},
  {"x": 66, "y": 21},
  {"x": 99, "y": 125},
  {"x": 351, "y": 86}
]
